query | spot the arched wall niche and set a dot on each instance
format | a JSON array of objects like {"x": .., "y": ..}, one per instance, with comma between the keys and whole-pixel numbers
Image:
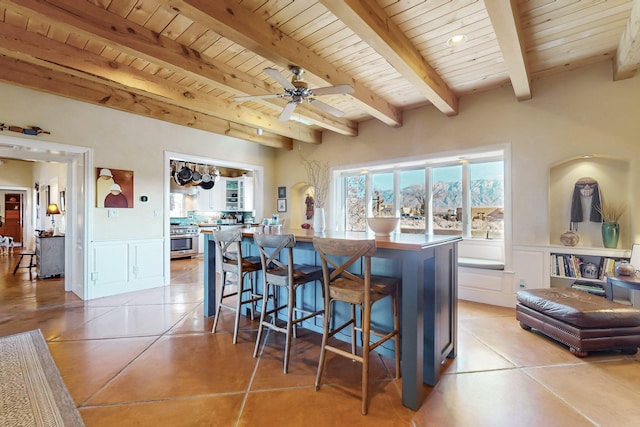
[
  {"x": 298, "y": 208},
  {"x": 612, "y": 176}
]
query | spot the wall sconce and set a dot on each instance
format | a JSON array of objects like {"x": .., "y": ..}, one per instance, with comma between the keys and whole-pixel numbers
[{"x": 52, "y": 209}]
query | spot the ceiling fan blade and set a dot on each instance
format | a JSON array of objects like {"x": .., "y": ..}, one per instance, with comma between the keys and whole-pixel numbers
[
  {"x": 332, "y": 90},
  {"x": 287, "y": 111},
  {"x": 275, "y": 75},
  {"x": 326, "y": 107},
  {"x": 265, "y": 96}
]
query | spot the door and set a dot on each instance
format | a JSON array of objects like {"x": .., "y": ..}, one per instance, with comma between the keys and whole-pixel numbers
[{"x": 13, "y": 216}]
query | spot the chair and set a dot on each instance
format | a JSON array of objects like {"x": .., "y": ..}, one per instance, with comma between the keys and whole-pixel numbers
[
  {"x": 276, "y": 254},
  {"x": 32, "y": 264},
  {"x": 357, "y": 290},
  {"x": 229, "y": 252}
]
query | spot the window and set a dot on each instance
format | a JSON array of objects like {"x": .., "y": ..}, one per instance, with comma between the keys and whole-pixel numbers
[
  {"x": 487, "y": 199},
  {"x": 446, "y": 193},
  {"x": 439, "y": 196},
  {"x": 412, "y": 201},
  {"x": 355, "y": 203}
]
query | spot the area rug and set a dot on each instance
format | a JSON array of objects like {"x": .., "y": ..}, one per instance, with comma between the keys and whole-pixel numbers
[{"x": 32, "y": 392}]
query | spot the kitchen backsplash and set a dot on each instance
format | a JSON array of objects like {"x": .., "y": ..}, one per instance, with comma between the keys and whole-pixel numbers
[{"x": 199, "y": 217}]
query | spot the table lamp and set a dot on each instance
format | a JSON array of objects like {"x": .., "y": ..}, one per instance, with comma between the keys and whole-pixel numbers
[{"x": 52, "y": 209}]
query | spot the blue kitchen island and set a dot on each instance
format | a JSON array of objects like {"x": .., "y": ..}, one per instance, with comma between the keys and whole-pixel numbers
[{"x": 427, "y": 265}]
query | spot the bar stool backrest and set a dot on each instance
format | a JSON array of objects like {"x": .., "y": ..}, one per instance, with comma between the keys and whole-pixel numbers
[
  {"x": 273, "y": 264},
  {"x": 333, "y": 270},
  {"x": 229, "y": 249}
]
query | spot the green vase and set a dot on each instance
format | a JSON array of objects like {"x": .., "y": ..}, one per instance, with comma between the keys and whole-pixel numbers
[{"x": 610, "y": 234}]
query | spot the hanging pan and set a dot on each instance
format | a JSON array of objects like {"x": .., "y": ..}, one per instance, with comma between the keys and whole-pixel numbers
[
  {"x": 207, "y": 180},
  {"x": 196, "y": 177},
  {"x": 206, "y": 176},
  {"x": 184, "y": 175}
]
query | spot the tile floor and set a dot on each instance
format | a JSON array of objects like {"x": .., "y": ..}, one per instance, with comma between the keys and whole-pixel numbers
[{"x": 148, "y": 359}]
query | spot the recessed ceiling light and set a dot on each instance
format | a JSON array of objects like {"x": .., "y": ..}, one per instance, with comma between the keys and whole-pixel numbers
[{"x": 457, "y": 39}]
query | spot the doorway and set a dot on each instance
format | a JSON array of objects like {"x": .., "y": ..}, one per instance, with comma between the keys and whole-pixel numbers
[{"x": 77, "y": 232}]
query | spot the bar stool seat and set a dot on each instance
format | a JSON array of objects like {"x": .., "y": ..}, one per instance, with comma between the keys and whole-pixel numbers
[
  {"x": 361, "y": 290},
  {"x": 32, "y": 262},
  {"x": 229, "y": 251},
  {"x": 279, "y": 270}
]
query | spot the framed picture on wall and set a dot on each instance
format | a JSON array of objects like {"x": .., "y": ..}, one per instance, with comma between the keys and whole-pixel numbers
[
  {"x": 282, "y": 192},
  {"x": 282, "y": 205}
]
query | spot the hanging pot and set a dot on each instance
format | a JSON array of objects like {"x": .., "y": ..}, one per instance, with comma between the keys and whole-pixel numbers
[
  {"x": 196, "y": 177},
  {"x": 184, "y": 175},
  {"x": 207, "y": 185},
  {"x": 206, "y": 176},
  {"x": 176, "y": 169}
]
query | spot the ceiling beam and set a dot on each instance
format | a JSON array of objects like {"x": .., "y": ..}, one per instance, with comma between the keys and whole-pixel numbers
[
  {"x": 506, "y": 24},
  {"x": 627, "y": 60},
  {"x": 111, "y": 29},
  {"x": 35, "y": 48},
  {"x": 238, "y": 24},
  {"x": 17, "y": 72},
  {"x": 370, "y": 22}
]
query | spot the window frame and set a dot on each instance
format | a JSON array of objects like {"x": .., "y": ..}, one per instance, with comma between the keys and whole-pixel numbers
[{"x": 465, "y": 158}]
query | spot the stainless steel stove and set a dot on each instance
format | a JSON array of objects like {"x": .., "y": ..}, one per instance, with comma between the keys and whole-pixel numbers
[{"x": 184, "y": 240}]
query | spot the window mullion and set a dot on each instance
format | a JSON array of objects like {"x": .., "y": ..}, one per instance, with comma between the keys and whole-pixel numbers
[{"x": 466, "y": 201}]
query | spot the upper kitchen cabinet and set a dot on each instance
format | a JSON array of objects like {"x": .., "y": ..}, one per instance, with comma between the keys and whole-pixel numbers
[
  {"x": 213, "y": 199},
  {"x": 239, "y": 194}
]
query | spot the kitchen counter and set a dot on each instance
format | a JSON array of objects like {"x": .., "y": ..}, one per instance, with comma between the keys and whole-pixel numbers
[{"x": 427, "y": 267}]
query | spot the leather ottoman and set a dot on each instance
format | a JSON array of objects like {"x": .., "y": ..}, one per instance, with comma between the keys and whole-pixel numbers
[{"x": 582, "y": 321}]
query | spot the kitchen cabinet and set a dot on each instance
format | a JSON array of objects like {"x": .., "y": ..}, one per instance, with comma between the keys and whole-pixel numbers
[
  {"x": 239, "y": 194},
  {"x": 50, "y": 256},
  {"x": 212, "y": 200}
]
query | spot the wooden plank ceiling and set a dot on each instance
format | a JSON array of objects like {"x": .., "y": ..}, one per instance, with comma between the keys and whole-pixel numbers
[{"x": 184, "y": 61}]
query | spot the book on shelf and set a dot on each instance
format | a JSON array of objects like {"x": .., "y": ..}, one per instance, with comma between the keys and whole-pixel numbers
[
  {"x": 607, "y": 266},
  {"x": 590, "y": 287},
  {"x": 566, "y": 265}
]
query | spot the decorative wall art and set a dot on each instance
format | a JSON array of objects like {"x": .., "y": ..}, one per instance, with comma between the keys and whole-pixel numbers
[
  {"x": 114, "y": 188},
  {"x": 585, "y": 202},
  {"x": 282, "y": 192},
  {"x": 282, "y": 205}
]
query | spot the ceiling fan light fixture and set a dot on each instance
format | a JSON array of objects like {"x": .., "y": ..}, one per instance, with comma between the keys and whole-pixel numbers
[{"x": 457, "y": 39}]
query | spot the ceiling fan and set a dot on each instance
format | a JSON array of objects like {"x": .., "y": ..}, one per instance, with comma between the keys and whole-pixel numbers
[{"x": 298, "y": 91}]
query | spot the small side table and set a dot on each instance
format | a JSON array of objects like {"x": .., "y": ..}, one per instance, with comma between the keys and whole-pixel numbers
[
  {"x": 629, "y": 282},
  {"x": 32, "y": 264}
]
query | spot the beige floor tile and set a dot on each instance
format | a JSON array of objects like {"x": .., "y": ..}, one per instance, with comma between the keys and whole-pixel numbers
[
  {"x": 503, "y": 398},
  {"x": 178, "y": 366},
  {"x": 474, "y": 355},
  {"x": 216, "y": 411},
  {"x": 131, "y": 320},
  {"x": 605, "y": 392},
  {"x": 88, "y": 365},
  {"x": 330, "y": 406}
]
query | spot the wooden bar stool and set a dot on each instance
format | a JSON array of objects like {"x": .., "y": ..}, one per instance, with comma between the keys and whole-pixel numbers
[
  {"x": 229, "y": 251},
  {"x": 357, "y": 290},
  {"x": 276, "y": 254},
  {"x": 32, "y": 263}
]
